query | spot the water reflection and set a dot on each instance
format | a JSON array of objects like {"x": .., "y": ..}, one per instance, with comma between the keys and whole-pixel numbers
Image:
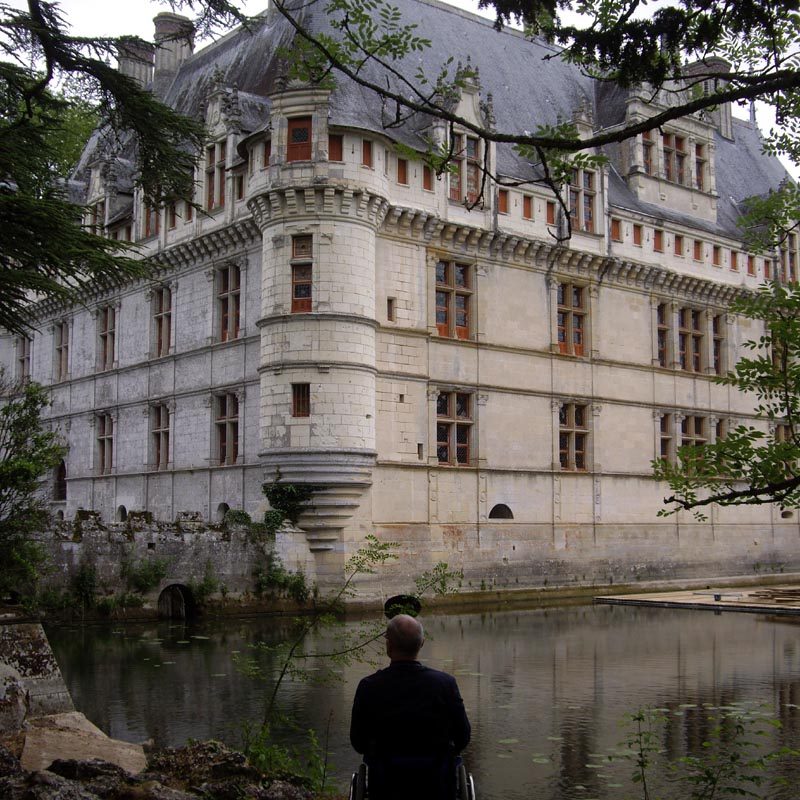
[{"x": 546, "y": 689}]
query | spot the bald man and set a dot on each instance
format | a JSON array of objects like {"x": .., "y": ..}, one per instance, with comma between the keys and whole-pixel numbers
[{"x": 409, "y": 719}]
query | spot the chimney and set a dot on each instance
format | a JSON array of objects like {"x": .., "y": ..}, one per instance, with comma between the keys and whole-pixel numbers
[
  {"x": 135, "y": 59},
  {"x": 174, "y": 37}
]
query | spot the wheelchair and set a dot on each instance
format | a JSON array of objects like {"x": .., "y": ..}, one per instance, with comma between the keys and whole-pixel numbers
[{"x": 464, "y": 785}]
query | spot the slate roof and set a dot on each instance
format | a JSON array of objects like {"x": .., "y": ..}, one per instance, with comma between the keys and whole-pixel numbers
[{"x": 529, "y": 84}]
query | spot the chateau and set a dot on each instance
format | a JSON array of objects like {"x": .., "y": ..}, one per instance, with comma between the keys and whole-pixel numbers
[{"x": 451, "y": 379}]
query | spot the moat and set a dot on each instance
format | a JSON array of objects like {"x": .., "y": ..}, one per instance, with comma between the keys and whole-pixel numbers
[{"x": 547, "y": 690}]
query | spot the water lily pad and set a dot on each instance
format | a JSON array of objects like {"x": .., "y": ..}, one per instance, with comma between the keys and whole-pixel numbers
[
  {"x": 167, "y": 662},
  {"x": 508, "y": 741},
  {"x": 504, "y": 755},
  {"x": 183, "y": 641},
  {"x": 198, "y": 637},
  {"x": 217, "y": 674},
  {"x": 554, "y": 738},
  {"x": 541, "y": 760}
]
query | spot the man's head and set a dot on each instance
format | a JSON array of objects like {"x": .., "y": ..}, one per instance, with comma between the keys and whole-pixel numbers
[{"x": 404, "y": 638}]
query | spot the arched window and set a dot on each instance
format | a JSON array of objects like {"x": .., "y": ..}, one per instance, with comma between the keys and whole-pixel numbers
[
  {"x": 501, "y": 511},
  {"x": 222, "y": 510},
  {"x": 60, "y": 482},
  {"x": 122, "y": 514}
]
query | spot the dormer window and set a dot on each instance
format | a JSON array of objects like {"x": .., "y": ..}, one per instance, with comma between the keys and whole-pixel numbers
[
  {"x": 465, "y": 180},
  {"x": 215, "y": 175},
  {"x": 674, "y": 157},
  {"x": 700, "y": 166},
  {"x": 648, "y": 147},
  {"x": 298, "y": 147},
  {"x": 581, "y": 200}
]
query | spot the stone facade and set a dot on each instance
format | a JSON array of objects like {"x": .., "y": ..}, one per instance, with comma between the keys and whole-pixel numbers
[{"x": 451, "y": 379}]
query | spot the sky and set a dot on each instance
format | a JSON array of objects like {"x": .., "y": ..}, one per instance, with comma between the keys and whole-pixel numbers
[{"x": 135, "y": 17}]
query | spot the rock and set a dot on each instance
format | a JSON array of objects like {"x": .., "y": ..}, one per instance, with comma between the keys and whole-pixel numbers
[
  {"x": 13, "y": 699},
  {"x": 9, "y": 764}
]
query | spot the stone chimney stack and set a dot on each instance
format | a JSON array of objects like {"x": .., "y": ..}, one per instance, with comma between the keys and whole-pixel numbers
[
  {"x": 135, "y": 59},
  {"x": 174, "y": 38}
]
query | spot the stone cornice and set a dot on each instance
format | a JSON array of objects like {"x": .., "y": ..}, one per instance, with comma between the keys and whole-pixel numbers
[
  {"x": 319, "y": 200},
  {"x": 477, "y": 242}
]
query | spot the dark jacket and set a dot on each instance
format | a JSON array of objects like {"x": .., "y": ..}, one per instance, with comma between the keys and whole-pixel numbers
[{"x": 408, "y": 709}]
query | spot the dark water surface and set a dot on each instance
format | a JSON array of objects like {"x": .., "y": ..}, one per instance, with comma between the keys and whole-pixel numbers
[{"x": 546, "y": 689}]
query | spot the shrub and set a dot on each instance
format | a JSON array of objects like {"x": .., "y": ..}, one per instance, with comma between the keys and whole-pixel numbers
[
  {"x": 273, "y": 578},
  {"x": 143, "y": 576}
]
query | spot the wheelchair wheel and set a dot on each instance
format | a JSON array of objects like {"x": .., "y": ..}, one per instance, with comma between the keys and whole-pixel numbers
[
  {"x": 358, "y": 783},
  {"x": 464, "y": 787}
]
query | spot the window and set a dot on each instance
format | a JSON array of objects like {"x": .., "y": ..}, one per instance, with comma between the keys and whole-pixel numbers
[
  {"x": 172, "y": 216},
  {"x": 551, "y": 212},
  {"x": 573, "y": 435},
  {"x": 581, "y": 200},
  {"x": 666, "y": 449},
  {"x": 453, "y": 297},
  {"x": 60, "y": 482},
  {"x": 465, "y": 180},
  {"x": 23, "y": 348},
  {"x": 162, "y": 321},
  {"x": 677, "y": 245},
  {"x": 751, "y": 265},
  {"x": 789, "y": 259},
  {"x": 159, "y": 422},
  {"x": 427, "y": 178},
  {"x": 366, "y": 153},
  {"x": 227, "y": 425},
  {"x": 616, "y": 230},
  {"x": 385, "y": 160},
  {"x": 298, "y": 143},
  {"x": 674, "y": 157},
  {"x": 718, "y": 349},
  {"x": 767, "y": 269},
  {"x": 215, "y": 175},
  {"x": 734, "y": 256},
  {"x": 238, "y": 187},
  {"x": 97, "y": 218},
  {"x": 693, "y": 431},
  {"x": 502, "y": 201},
  {"x": 700, "y": 166},
  {"x": 152, "y": 221},
  {"x": 658, "y": 241},
  {"x": 647, "y": 152},
  {"x": 663, "y": 334},
  {"x": 527, "y": 207},
  {"x": 301, "y": 399},
  {"x": 107, "y": 336},
  {"x": 228, "y": 302},
  {"x": 266, "y": 153},
  {"x": 716, "y": 255},
  {"x": 61, "y": 338},
  {"x": 105, "y": 444},
  {"x": 335, "y": 147},
  {"x": 402, "y": 171},
  {"x": 637, "y": 235},
  {"x": 453, "y": 428},
  {"x": 188, "y": 211},
  {"x": 301, "y": 274},
  {"x": 571, "y": 317},
  {"x": 697, "y": 252},
  {"x": 391, "y": 313},
  {"x": 690, "y": 339}
]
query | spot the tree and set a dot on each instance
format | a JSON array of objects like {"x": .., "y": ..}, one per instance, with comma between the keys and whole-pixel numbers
[
  {"x": 751, "y": 464},
  {"x": 28, "y": 453},
  {"x": 45, "y": 253}
]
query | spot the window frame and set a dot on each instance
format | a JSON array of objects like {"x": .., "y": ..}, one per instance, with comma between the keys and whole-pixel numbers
[
  {"x": 503, "y": 201},
  {"x": 160, "y": 435},
  {"x": 299, "y": 150},
  {"x": 301, "y": 267},
  {"x": 23, "y": 348},
  {"x": 691, "y": 339},
  {"x": 367, "y": 156},
  {"x": 527, "y": 206},
  {"x": 61, "y": 331},
  {"x": 336, "y": 147},
  {"x": 226, "y": 426},
  {"x": 454, "y": 430},
  {"x": 107, "y": 337},
  {"x": 571, "y": 319},
  {"x": 228, "y": 297},
  {"x": 466, "y": 162},
  {"x": 105, "y": 443},
  {"x": 573, "y": 437},
  {"x": 162, "y": 321},
  {"x": 453, "y": 299},
  {"x": 216, "y": 160},
  {"x": 582, "y": 194},
  {"x": 301, "y": 400}
]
